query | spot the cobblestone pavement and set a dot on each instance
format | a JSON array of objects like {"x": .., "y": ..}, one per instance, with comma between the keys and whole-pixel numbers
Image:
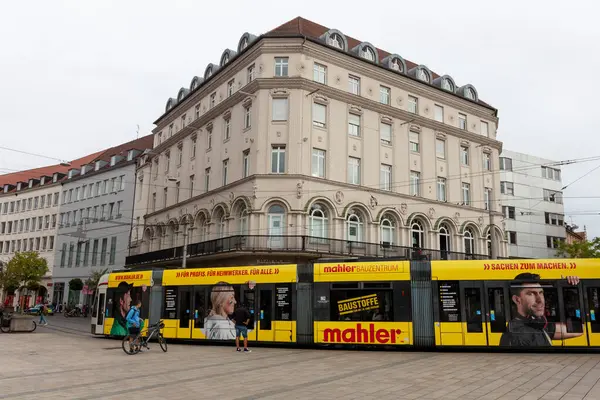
[{"x": 62, "y": 361}]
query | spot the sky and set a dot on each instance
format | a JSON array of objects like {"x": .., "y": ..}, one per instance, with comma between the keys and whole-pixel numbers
[{"x": 80, "y": 76}]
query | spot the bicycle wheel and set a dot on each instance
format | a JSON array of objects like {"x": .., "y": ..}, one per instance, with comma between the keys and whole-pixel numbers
[
  {"x": 132, "y": 348},
  {"x": 162, "y": 342}
]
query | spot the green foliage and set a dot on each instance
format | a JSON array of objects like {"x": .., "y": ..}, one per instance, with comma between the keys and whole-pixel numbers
[
  {"x": 24, "y": 270},
  {"x": 75, "y": 284},
  {"x": 587, "y": 249},
  {"x": 92, "y": 281}
]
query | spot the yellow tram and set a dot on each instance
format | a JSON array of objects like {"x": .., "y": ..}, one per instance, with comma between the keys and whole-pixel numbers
[{"x": 396, "y": 303}]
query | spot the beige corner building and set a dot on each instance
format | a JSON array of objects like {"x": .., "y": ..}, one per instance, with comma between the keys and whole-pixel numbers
[{"x": 305, "y": 143}]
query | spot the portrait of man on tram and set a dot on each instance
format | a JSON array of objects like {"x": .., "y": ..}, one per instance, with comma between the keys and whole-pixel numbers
[
  {"x": 120, "y": 307},
  {"x": 535, "y": 320}
]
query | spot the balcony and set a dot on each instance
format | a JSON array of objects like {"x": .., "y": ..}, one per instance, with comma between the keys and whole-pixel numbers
[{"x": 307, "y": 247}]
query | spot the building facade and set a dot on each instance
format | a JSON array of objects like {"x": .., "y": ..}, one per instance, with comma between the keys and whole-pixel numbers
[
  {"x": 95, "y": 219},
  {"x": 307, "y": 143},
  {"x": 532, "y": 205},
  {"x": 29, "y": 204}
]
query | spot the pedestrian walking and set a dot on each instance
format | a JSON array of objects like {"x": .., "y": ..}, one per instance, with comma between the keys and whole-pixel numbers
[
  {"x": 43, "y": 311},
  {"x": 241, "y": 318}
]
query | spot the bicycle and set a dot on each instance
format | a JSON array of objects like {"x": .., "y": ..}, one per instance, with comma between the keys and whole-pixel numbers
[{"x": 138, "y": 341}]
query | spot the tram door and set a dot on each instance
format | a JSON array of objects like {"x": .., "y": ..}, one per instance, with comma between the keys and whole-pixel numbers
[
  {"x": 259, "y": 302},
  {"x": 473, "y": 313},
  {"x": 497, "y": 306},
  {"x": 591, "y": 294},
  {"x": 573, "y": 316},
  {"x": 192, "y": 310}
]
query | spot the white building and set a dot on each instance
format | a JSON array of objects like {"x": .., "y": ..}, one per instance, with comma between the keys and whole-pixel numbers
[
  {"x": 306, "y": 142},
  {"x": 29, "y": 203},
  {"x": 532, "y": 205},
  {"x": 95, "y": 218}
]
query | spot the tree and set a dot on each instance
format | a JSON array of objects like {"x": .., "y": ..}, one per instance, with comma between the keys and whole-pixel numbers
[
  {"x": 75, "y": 284},
  {"x": 24, "y": 270},
  {"x": 92, "y": 281},
  {"x": 585, "y": 249}
]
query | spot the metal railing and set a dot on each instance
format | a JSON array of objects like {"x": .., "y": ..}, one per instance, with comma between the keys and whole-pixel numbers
[{"x": 309, "y": 245}]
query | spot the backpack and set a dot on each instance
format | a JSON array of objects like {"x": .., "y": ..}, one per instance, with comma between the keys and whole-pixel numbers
[{"x": 130, "y": 315}]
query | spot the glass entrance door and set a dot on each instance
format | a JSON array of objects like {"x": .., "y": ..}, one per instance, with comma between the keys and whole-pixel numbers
[{"x": 276, "y": 231}]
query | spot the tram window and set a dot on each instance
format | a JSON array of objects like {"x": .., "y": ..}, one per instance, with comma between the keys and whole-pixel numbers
[
  {"x": 572, "y": 309},
  {"x": 199, "y": 307},
  {"x": 95, "y": 306},
  {"x": 100, "y": 320},
  {"x": 184, "y": 308},
  {"x": 594, "y": 307},
  {"x": 345, "y": 285},
  {"x": 473, "y": 310},
  {"x": 377, "y": 285},
  {"x": 497, "y": 311},
  {"x": 266, "y": 304},
  {"x": 361, "y": 305}
]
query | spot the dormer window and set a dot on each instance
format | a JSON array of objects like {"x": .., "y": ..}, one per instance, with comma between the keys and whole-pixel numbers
[
  {"x": 54, "y": 178},
  {"x": 225, "y": 58},
  {"x": 130, "y": 155},
  {"x": 470, "y": 93},
  {"x": 113, "y": 160},
  {"x": 43, "y": 180},
  {"x": 368, "y": 53},
  {"x": 30, "y": 183},
  {"x": 335, "y": 40},
  {"x": 423, "y": 75},
  {"x": 18, "y": 185},
  {"x": 447, "y": 85},
  {"x": 396, "y": 65},
  {"x": 244, "y": 43}
]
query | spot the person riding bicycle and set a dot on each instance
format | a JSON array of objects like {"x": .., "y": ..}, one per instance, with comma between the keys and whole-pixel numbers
[{"x": 133, "y": 321}]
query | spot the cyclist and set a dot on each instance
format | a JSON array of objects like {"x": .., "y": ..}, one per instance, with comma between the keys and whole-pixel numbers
[{"x": 133, "y": 321}]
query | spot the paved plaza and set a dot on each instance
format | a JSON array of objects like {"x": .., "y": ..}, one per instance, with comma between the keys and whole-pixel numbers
[{"x": 62, "y": 361}]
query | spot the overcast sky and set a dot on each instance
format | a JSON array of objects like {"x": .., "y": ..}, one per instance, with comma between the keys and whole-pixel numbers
[{"x": 78, "y": 76}]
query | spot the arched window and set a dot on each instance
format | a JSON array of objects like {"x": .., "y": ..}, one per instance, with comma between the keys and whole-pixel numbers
[
  {"x": 335, "y": 40},
  {"x": 368, "y": 53},
  {"x": 470, "y": 93},
  {"x": 388, "y": 230},
  {"x": 396, "y": 65},
  {"x": 417, "y": 234},
  {"x": 488, "y": 239},
  {"x": 318, "y": 221},
  {"x": 222, "y": 231},
  {"x": 225, "y": 59},
  {"x": 244, "y": 43},
  {"x": 354, "y": 227},
  {"x": 469, "y": 241},
  {"x": 444, "y": 241},
  {"x": 193, "y": 86},
  {"x": 243, "y": 222},
  {"x": 276, "y": 226},
  {"x": 447, "y": 85},
  {"x": 423, "y": 75}
]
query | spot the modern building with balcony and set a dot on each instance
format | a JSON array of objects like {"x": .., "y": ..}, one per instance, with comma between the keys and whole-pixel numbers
[
  {"x": 305, "y": 143},
  {"x": 532, "y": 205},
  {"x": 95, "y": 218}
]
